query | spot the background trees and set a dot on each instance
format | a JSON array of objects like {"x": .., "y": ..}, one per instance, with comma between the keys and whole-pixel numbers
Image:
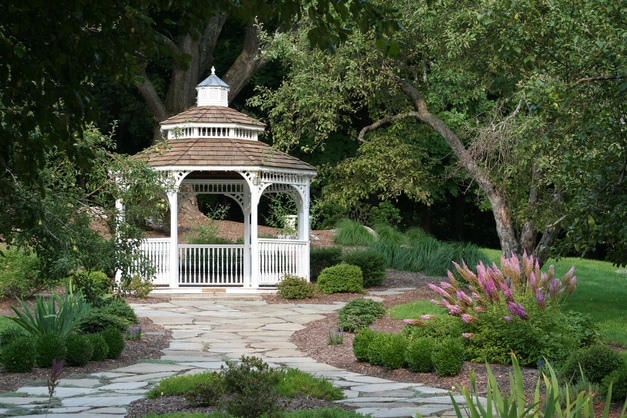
[{"x": 529, "y": 98}]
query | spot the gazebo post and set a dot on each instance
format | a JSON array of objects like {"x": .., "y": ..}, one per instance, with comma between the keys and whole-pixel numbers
[
  {"x": 174, "y": 238},
  {"x": 255, "y": 265}
]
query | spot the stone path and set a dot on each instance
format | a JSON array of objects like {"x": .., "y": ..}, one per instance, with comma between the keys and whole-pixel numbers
[{"x": 207, "y": 330}]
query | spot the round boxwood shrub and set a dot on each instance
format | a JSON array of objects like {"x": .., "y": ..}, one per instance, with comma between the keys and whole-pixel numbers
[
  {"x": 596, "y": 362},
  {"x": 115, "y": 341},
  {"x": 18, "y": 355},
  {"x": 418, "y": 355},
  {"x": 361, "y": 342},
  {"x": 294, "y": 287},
  {"x": 359, "y": 313},
  {"x": 49, "y": 347},
  {"x": 372, "y": 265},
  {"x": 342, "y": 278},
  {"x": 448, "y": 356},
  {"x": 99, "y": 344},
  {"x": 79, "y": 350},
  {"x": 393, "y": 356},
  {"x": 376, "y": 349}
]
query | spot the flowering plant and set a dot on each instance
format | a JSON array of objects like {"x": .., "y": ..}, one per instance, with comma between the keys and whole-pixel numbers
[{"x": 518, "y": 280}]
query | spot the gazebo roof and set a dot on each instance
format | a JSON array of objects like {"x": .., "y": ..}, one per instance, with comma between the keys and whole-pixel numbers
[
  {"x": 211, "y": 114},
  {"x": 220, "y": 153}
]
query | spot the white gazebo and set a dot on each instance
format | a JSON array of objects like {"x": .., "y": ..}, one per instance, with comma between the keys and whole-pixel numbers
[{"x": 213, "y": 149}]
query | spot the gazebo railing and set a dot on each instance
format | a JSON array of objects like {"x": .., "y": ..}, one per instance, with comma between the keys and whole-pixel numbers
[
  {"x": 223, "y": 265},
  {"x": 211, "y": 265},
  {"x": 279, "y": 257},
  {"x": 157, "y": 251}
]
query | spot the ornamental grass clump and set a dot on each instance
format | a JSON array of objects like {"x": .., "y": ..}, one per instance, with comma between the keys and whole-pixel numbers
[{"x": 512, "y": 308}]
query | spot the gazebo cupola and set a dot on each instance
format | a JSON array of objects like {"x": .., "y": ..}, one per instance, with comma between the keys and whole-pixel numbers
[
  {"x": 213, "y": 149},
  {"x": 213, "y": 91}
]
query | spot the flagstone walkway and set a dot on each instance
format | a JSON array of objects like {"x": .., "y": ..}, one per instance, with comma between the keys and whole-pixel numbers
[{"x": 206, "y": 331}]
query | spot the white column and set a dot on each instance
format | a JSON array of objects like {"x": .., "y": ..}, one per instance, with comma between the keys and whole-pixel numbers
[
  {"x": 303, "y": 227},
  {"x": 247, "y": 238},
  {"x": 119, "y": 206},
  {"x": 255, "y": 265},
  {"x": 174, "y": 238}
]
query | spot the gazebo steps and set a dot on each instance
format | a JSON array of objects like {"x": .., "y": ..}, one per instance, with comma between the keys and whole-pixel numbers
[{"x": 211, "y": 293}]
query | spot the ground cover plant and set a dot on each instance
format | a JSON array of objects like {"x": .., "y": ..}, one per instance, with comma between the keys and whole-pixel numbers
[{"x": 246, "y": 388}]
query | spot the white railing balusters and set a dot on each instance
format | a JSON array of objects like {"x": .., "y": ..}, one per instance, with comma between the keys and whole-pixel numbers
[{"x": 215, "y": 265}]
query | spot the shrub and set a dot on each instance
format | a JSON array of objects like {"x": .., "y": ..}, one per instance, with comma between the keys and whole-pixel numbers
[
  {"x": 94, "y": 285},
  {"x": 18, "y": 355},
  {"x": 321, "y": 258},
  {"x": 115, "y": 341},
  {"x": 372, "y": 265},
  {"x": 250, "y": 385},
  {"x": 293, "y": 287},
  {"x": 433, "y": 326},
  {"x": 376, "y": 349},
  {"x": 139, "y": 286},
  {"x": 115, "y": 312},
  {"x": 9, "y": 334},
  {"x": 618, "y": 380},
  {"x": 361, "y": 342},
  {"x": 19, "y": 275},
  {"x": 352, "y": 234},
  {"x": 418, "y": 355},
  {"x": 393, "y": 357},
  {"x": 448, "y": 356},
  {"x": 80, "y": 350},
  {"x": 514, "y": 307},
  {"x": 359, "y": 313},
  {"x": 341, "y": 278},
  {"x": 49, "y": 347},
  {"x": 385, "y": 213},
  {"x": 58, "y": 314},
  {"x": 97, "y": 320},
  {"x": 119, "y": 307},
  {"x": 99, "y": 344},
  {"x": 387, "y": 350},
  {"x": 595, "y": 362},
  {"x": 204, "y": 390},
  {"x": 544, "y": 335}
]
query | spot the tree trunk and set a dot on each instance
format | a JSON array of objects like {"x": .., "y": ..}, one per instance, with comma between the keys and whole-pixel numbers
[
  {"x": 498, "y": 202},
  {"x": 247, "y": 63}
]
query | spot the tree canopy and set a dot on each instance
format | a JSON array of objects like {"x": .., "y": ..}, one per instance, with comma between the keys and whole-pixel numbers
[{"x": 528, "y": 98}]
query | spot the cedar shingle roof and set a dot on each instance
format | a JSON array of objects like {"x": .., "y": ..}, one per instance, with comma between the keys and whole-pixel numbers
[
  {"x": 220, "y": 152},
  {"x": 212, "y": 114}
]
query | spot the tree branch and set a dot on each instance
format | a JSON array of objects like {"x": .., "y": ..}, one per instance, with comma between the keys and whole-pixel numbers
[
  {"x": 385, "y": 121},
  {"x": 598, "y": 78}
]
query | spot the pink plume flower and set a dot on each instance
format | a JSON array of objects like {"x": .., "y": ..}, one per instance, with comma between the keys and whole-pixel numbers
[{"x": 468, "y": 335}]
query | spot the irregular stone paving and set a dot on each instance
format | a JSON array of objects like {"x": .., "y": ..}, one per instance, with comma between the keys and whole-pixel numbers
[{"x": 206, "y": 331}]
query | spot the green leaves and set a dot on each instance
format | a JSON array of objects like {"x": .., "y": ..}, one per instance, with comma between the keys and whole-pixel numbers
[{"x": 57, "y": 314}]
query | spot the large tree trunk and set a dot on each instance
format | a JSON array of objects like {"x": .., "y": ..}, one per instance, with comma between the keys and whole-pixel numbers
[
  {"x": 199, "y": 50},
  {"x": 498, "y": 202}
]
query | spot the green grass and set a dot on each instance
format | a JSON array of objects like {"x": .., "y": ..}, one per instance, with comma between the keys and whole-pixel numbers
[
  {"x": 415, "y": 309},
  {"x": 178, "y": 385}
]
